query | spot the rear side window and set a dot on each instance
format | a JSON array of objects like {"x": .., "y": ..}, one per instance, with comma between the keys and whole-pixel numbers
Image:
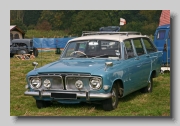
[
  {"x": 149, "y": 46},
  {"x": 161, "y": 34}
]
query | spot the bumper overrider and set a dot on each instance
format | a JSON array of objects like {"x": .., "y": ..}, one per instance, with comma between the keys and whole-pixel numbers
[{"x": 68, "y": 95}]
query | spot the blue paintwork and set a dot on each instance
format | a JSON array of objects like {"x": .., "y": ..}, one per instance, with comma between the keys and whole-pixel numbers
[{"x": 160, "y": 43}]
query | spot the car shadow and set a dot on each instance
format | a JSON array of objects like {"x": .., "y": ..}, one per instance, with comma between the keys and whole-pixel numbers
[{"x": 95, "y": 105}]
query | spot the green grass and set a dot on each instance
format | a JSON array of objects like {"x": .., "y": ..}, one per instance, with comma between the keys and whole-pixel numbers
[
  {"x": 156, "y": 103},
  {"x": 45, "y": 34}
]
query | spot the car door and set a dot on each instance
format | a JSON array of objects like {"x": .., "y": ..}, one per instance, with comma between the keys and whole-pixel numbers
[
  {"x": 132, "y": 71},
  {"x": 143, "y": 63},
  {"x": 152, "y": 54},
  {"x": 167, "y": 51},
  {"x": 162, "y": 41}
]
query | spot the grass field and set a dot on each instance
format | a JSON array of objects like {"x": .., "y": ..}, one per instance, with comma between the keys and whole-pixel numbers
[{"x": 156, "y": 103}]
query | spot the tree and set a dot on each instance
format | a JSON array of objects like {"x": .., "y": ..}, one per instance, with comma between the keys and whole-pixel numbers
[
  {"x": 53, "y": 17},
  {"x": 89, "y": 20},
  {"x": 16, "y": 15},
  {"x": 31, "y": 17},
  {"x": 44, "y": 25}
]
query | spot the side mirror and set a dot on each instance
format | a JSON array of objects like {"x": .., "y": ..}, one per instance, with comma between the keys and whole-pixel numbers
[
  {"x": 108, "y": 64},
  {"x": 35, "y": 64}
]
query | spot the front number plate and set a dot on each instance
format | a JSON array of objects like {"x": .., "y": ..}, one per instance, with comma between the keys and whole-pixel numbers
[{"x": 63, "y": 96}]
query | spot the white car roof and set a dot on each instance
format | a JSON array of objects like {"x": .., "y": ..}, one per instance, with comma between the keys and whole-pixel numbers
[{"x": 115, "y": 37}]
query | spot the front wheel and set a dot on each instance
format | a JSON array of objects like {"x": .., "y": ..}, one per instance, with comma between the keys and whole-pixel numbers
[
  {"x": 111, "y": 103},
  {"x": 42, "y": 104},
  {"x": 11, "y": 54}
]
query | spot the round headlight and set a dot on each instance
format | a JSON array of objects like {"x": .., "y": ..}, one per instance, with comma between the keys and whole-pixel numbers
[
  {"x": 79, "y": 84},
  {"x": 47, "y": 83},
  {"x": 95, "y": 83},
  {"x": 35, "y": 83}
]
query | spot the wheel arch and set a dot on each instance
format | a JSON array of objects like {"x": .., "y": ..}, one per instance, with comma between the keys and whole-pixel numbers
[
  {"x": 153, "y": 74},
  {"x": 120, "y": 85}
]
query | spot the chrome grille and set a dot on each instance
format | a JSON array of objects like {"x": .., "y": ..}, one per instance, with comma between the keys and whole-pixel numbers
[
  {"x": 56, "y": 81},
  {"x": 66, "y": 81},
  {"x": 70, "y": 83}
]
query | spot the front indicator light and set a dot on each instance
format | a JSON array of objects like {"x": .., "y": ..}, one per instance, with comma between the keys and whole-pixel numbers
[{"x": 105, "y": 87}]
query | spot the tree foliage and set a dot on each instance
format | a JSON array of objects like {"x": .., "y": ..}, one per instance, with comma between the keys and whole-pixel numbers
[
  {"x": 31, "y": 17},
  {"x": 76, "y": 21}
]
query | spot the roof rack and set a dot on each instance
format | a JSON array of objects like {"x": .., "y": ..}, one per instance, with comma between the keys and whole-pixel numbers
[{"x": 86, "y": 33}]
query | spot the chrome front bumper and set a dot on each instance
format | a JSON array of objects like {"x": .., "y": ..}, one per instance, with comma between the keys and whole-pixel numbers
[{"x": 86, "y": 95}]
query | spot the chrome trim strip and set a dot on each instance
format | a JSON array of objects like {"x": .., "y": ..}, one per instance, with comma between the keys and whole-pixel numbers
[
  {"x": 79, "y": 95},
  {"x": 66, "y": 74}
]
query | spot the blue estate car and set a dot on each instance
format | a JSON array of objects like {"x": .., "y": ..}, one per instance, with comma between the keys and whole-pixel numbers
[{"x": 97, "y": 68}]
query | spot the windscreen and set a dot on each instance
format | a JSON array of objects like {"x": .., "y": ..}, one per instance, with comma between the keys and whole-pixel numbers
[{"x": 92, "y": 48}]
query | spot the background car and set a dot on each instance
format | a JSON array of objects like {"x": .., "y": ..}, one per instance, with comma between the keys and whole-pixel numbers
[{"x": 22, "y": 46}]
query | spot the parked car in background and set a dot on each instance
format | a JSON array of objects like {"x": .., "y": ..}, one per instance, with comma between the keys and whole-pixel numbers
[
  {"x": 22, "y": 46},
  {"x": 97, "y": 68},
  {"x": 163, "y": 43}
]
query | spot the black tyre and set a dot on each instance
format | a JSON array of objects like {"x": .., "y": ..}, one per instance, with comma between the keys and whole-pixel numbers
[
  {"x": 35, "y": 51},
  {"x": 149, "y": 87},
  {"x": 111, "y": 103},
  {"x": 22, "y": 51},
  {"x": 42, "y": 104},
  {"x": 11, "y": 54}
]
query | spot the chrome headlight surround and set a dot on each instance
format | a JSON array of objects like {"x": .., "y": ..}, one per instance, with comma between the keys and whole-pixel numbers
[
  {"x": 95, "y": 83},
  {"x": 35, "y": 82}
]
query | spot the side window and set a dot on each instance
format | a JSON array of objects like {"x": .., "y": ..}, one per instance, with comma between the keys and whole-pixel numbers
[
  {"x": 138, "y": 46},
  {"x": 129, "y": 48},
  {"x": 161, "y": 34},
  {"x": 149, "y": 46}
]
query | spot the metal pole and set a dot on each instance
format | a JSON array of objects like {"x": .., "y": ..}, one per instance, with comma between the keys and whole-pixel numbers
[
  {"x": 167, "y": 52},
  {"x": 41, "y": 51}
]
